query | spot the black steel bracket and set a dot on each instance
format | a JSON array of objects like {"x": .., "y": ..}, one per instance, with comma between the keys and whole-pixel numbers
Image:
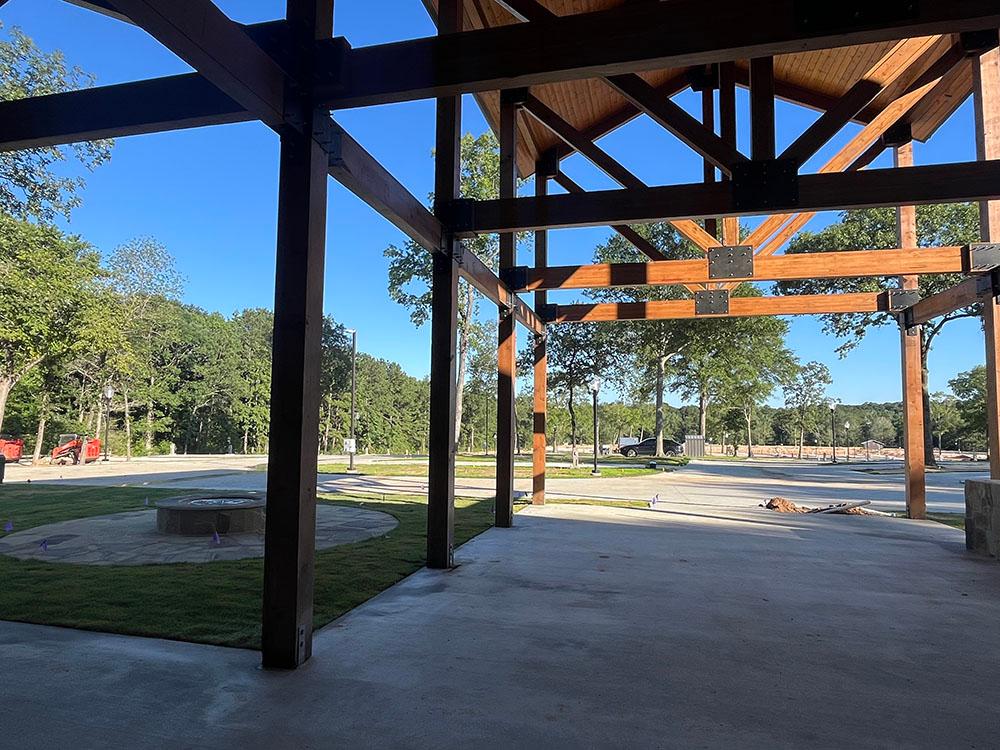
[
  {"x": 547, "y": 313},
  {"x": 734, "y": 262},
  {"x": 825, "y": 17},
  {"x": 711, "y": 302},
  {"x": 515, "y": 277},
  {"x": 704, "y": 78},
  {"x": 980, "y": 257},
  {"x": 459, "y": 214},
  {"x": 547, "y": 164},
  {"x": 900, "y": 299},
  {"x": 977, "y": 42},
  {"x": 518, "y": 97},
  {"x": 766, "y": 184},
  {"x": 898, "y": 135},
  {"x": 988, "y": 284}
]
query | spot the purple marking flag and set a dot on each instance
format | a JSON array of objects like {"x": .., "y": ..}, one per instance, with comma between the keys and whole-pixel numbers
[
  {"x": 8, "y": 527},
  {"x": 216, "y": 539},
  {"x": 44, "y": 546}
]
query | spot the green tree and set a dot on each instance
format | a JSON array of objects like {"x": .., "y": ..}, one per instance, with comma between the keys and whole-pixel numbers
[
  {"x": 804, "y": 394},
  {"x": 947, "y": 417},
  {"x": 970, "y": 391},
  {"x": 31, "y": 183},
  {"x": 875, "y": 229},
  {"x": 48, "y": 290},
  {"x": 651, "y": 344},
  {"x": 410, "y": 265}
]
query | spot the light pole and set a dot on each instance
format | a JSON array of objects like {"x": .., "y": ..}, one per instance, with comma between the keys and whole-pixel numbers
[
  {"x": 109, "y": 393},
  {"x": 847, "y": 440},
  {"x": 833, "y": 428},
  {"x": 354, "y": 394},
  {"x": 595, "y": 386}
]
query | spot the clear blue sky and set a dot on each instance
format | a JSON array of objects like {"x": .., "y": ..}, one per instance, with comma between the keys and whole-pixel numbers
[{"x": 210, "y": 194}]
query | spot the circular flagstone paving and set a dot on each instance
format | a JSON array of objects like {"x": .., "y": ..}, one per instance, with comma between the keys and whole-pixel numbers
[{"x": 132, "y": 539}]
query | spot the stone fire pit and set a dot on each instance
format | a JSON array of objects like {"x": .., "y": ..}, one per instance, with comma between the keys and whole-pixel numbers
[{"x": 201, "y": 515}]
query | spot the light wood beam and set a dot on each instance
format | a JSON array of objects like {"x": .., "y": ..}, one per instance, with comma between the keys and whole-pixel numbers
[
  {"x": 825, "y": 265},
  {"x": 739, "y": 307}
]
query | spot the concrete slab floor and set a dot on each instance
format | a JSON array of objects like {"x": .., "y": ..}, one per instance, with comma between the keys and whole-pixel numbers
[{"x": 580, "y": 627}]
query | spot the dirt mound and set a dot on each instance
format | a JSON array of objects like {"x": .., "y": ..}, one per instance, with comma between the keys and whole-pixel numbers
[{"x": 781, "y": 505}]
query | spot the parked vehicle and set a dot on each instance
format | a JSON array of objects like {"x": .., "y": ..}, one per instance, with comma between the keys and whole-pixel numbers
[
  {"x": 11, "y": 449},
  {"x": 647, "y": 447},
  {"x": 71, "y": 445}
]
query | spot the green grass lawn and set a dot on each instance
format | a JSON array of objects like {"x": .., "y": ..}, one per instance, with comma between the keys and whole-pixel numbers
[
  {"x": 475, "y": 471},
  {"x": 949, "y": 519},
  {"x": 215, "y": 602}
]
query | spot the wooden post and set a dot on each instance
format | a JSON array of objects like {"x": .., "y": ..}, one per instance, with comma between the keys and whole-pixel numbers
[
  {"x": 708, "y": 120},
  {"x": 727, "y": 131},
  {"x": 911, "y": 342},
  {"x": 986, "y": 94},
  {"x": 289, "y": 541},
  {"x": 540, "y": 407},
  {"x": 762, "y": 108},
  {"x": 506, "y": 330},
  {"x": 444, "y": 324}
]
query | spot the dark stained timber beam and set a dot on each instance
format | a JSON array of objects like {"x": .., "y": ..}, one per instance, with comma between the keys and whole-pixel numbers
[
  {"x": 153, "y": 106},
  {"x": 944, "y": 183},
  {"x": 673, "y": 118},
  {"x": 361, "y": 173},
  {"x": 826, "y": 265},
  {"x": 739, "y": 307},
  {"x": 218, "y": 48},
  {"x": 631, "y": 38}
]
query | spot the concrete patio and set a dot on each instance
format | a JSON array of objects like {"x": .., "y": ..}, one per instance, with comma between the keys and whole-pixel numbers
[{"x": 690, "y": 625}]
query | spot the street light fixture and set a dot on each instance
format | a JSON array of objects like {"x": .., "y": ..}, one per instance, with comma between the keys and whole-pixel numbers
[
  {"x": 354, "y": 389},
  {"x": 108, "y": 394},
  {"x": 847, "y": 440},
  {"x": 595, "y": 387},
  {"x": 833, "y": 428}
]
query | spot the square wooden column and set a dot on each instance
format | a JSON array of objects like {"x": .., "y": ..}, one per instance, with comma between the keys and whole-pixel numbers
[
  {"x": 539, "y": 440},
  {"x": 444, "y": 324},
  {"x": 510, "y": 102},
  {"x": 727, "y": 131},
  {"x": 290, "y": 533},
  {"x": 986, "y": 94},
  {"x": 911, "y": 343},
  {"x": 762, "y": 134}
]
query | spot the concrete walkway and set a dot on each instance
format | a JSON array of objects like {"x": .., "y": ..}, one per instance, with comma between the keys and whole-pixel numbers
[{"x": 688, "y": 626}]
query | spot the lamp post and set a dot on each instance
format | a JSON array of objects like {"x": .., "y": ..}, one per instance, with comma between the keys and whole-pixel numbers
[
  {"x": 108, "y": 394},
  {"x": 847, "y": 440},
  {"x": 595, "y": 386},
  {"x": 833, "y": 428},
  {"x": 354, "y": 392}
]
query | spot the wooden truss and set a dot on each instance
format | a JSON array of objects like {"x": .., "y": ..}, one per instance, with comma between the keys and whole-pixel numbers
[{"x": 292, "y": 73}]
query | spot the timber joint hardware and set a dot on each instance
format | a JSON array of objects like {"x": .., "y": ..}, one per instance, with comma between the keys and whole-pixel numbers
[
  {"x": 711, "y": 302},
  {"x": 329, "y": 70},
  {"x": 898, "y": 300},
  {"x": 704, "y": 78},
  {"x": 516, "y": 97},
  {"x": 824, "y": 17},
  {"x": 548, "y": 164},
  {"x": 980, "y": 257},
  {"x": 459, "y": 215},
  {"x": 978, "y": 42},
  {"x": 988, "y": 285},
  {"x": 730, "y": 262},
  {"x": 515, "y": 277},
  {"x": 548, "y": 313},
  {"x": 767, "y": 184},
  {"x": 898, "y": 135}
]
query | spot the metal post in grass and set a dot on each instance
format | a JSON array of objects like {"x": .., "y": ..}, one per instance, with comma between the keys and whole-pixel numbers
[
  {"x": 354, "y": 392},
  {"x": 833, "y": 429}
]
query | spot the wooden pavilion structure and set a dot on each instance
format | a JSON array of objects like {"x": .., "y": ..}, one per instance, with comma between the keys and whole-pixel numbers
[{"x": 553, "y": 76}]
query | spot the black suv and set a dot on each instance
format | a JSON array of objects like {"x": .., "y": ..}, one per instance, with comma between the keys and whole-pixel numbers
[{"x": 648, "y": 448}]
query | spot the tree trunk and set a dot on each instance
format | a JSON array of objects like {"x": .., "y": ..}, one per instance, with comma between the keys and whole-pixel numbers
[
  {"x": 572, "y": 420},
  {"x": 128, "y": 426},
  {"x": 929, "y": 458},
  {"x": 802, "y": 438},
  {"x": 747, "y": 413},
  {"x": 661, "y": 365},
  {"x": 43, "y": 412},
  {"x": 6, "y": 385},
  {"x": 703, "y": 412},
  {"x": 149, "y": 416}
]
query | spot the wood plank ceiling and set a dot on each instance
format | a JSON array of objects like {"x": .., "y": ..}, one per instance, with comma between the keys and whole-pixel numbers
[{"x": 814, "y": 79}]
